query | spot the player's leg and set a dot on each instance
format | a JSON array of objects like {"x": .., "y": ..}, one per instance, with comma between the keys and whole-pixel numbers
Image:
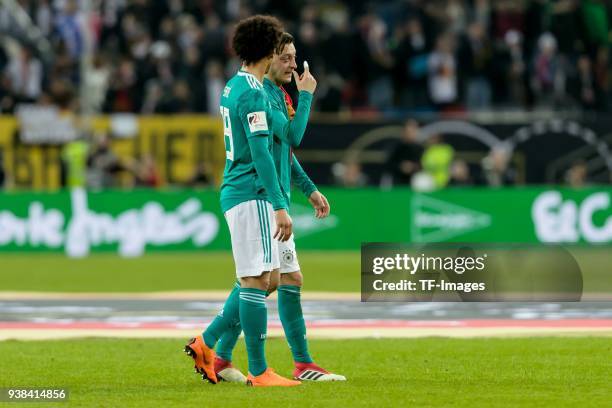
[
  {"x": 243, "y": 229},
  {"x": 254, "y": 319},
  {"x": 224, "y": 369},
  {"x": 201, "y": 348},
  {"x": 292, "y": 318},
  {"x": 225, "y": 346},
  {"x": 259, "y": 256}
]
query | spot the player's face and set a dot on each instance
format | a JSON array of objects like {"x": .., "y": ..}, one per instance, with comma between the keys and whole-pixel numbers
[{"x": 283, "y": 65}]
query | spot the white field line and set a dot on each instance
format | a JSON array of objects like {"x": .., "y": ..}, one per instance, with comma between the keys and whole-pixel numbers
[
  {"x": 320, "y": 333},
  {"x": 177, "y": 295}
]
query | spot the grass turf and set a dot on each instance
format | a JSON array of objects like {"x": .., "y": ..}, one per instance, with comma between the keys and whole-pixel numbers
[
  {"x": 325, "y": 271},
  {"x": 332, "y": 271},
  {"x": 430, "y": 372}
]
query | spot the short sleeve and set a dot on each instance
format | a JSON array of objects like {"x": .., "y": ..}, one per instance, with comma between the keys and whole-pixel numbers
[{"x": 252, "y": 111}]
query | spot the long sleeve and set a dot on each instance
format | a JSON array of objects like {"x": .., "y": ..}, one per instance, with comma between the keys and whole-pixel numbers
[
  {"x": 292, "y": 131},
  {"x": 264, "y": 165},
  {"x": 253, "y": 114},
  {"x": 301, "y": 179}
]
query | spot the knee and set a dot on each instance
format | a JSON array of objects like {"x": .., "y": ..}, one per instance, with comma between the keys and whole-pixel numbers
[
  {"x": 273, "y": 284},
  {"x": 257, "y": 282},
  {"x": 293, "y": 278}
]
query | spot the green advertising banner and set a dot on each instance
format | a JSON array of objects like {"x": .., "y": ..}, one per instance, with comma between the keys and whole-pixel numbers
[{"x": 133, "y": 222}]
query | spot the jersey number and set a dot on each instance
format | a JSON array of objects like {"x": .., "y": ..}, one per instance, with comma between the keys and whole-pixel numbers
[{"x": 227, "y": 134}]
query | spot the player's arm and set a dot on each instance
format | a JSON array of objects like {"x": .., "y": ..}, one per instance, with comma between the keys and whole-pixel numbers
[
  {"x": 300, "y": 179},
  {"x": 292, "y": 131},
  {"x": 252, "y": 113},
  {"x": 306, "y": 186}
]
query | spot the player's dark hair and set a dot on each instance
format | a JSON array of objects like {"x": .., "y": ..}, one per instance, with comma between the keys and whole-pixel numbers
[
  {"x": 256, "y": 38},
  {"x": 285, "y": 39}
]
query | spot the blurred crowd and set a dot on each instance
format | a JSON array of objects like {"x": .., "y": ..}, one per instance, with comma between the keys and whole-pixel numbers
[
  {"x": 428, "y": 163},
  {"x": 89, "y": 162},
  {"x": 172, "y": 56}
]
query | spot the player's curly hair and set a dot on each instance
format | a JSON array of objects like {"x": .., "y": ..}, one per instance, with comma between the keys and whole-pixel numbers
[{"x": 256, "y": 38}]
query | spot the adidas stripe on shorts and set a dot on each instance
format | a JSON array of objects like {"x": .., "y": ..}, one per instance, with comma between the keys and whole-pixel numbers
[{"x": 251, "y": 225}]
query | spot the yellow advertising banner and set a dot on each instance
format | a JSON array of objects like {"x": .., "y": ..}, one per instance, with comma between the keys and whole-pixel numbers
[{"x": 179, "y": 145}]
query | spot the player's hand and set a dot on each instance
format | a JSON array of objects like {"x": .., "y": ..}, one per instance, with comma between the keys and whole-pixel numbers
[
  {"x": 320, "y": 204},
  {"x": 305, "y": 82},
  {"x": 283, "y": 225}
]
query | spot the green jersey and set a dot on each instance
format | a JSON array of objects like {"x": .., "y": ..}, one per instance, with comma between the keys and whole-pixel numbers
[
  {"x": 249, "y": 168},
  {"x": 288, "y": 133}
]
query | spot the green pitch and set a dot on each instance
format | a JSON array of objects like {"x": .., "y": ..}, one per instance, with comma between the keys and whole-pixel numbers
[
  {"x": 332, "y": 271},
  {"x": 432, "y": 372},
  {"x": 324, "y": 271}
]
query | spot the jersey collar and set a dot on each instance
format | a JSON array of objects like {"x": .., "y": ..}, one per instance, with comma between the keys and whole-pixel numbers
[{"x": 242, "y": 72}]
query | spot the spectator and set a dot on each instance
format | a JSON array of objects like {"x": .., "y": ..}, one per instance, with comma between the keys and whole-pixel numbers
[
  {"x": 510, "y": 73},
  {"x": 349, "y": 174},
  {"x": 74, "y": 155},
  {"x": 476, "y": 55},
  {"x": 25, "y": 75},
  {"x": 103, "y": 164},
  {"x": 147, "y": 174},
  {"x": 123, "y": 94},
  {"x": 404, "y": 158},
  {"x": 437, "y": 159},
  {"x": 582, "y": 85},
  {"x": 497, "y": 170},
  {"x": 97, "y": 82},
  {"x": 215, "y": 82},
  {"x": 443, "y": 73},
  {"x": 460, "y": 174},
  {"x": 576, "y": 176},
  {"x": 410, "y": 69},
  {"x": 380, "y": 93},
  {"x": 180, "y": 100},
  {"x": 69, "y": 27},
  {"x": 548, "y": 78},
  {"x": 374, "y": 58}
]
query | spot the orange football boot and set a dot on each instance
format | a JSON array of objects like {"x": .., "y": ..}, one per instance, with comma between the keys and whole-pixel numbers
[
  {"x": 270, "y": 379},
  {"x": 204, "y": 358}
]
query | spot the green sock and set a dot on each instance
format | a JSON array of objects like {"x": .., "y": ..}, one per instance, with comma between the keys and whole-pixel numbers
[
  {"x": 254, "y": 321},
  {"x": 290, "y": 312},
  {"x": 227, "y": 318},
  {"x": 227, "y": 342}
]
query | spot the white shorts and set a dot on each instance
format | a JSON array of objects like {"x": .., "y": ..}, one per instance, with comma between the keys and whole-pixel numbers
[
  {"x": 288, "y": 257},
  {"x": 252, "y": 226}
]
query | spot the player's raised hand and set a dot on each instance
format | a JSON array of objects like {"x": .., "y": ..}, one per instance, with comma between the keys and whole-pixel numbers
[
  {"x": 320, "y": 204},
  {"x": 305, "y": 82},
  {"x": 283, "y": 225}
]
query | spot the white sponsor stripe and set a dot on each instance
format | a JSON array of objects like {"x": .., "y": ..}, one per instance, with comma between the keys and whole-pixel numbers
[
  {"x": 252, "y": 298},
  {"x": 290, "y": 290},
  {"x": 253, "y": 295}
]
